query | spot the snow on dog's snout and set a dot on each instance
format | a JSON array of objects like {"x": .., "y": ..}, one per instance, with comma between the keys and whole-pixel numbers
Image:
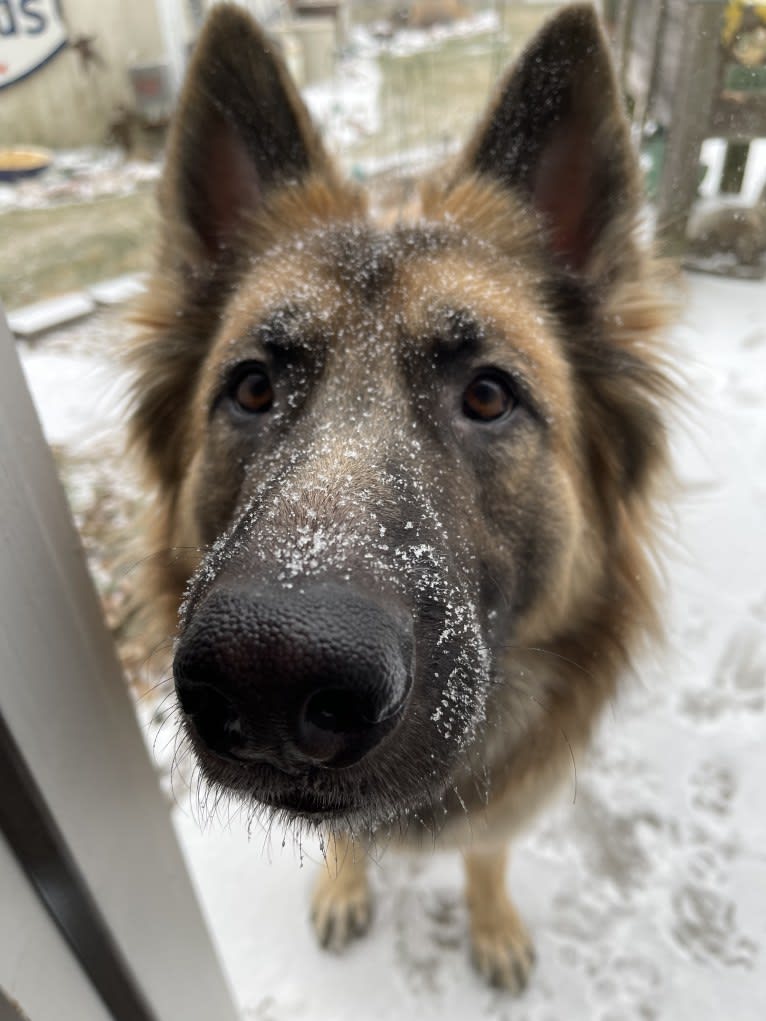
[{"x": 361, "y": 510}]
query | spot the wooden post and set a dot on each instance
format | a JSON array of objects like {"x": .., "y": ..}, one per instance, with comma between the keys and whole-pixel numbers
[
  {"x": 644, "y": 101},
  {"x": 623, "y": 34},
  {"x": 696, "y": 83},
  {"x": 170, "y": 16}
]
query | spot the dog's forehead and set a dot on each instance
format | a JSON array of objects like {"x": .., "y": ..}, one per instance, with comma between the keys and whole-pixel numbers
[
  {"x": 356, "y": 263},
  {"x": 403, "y": 285}
]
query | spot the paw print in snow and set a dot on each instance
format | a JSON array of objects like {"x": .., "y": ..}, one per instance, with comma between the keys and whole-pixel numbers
[
  {"x": 713, "y": 787},
  {"x": 632, "y": 988},
  {"x": 705, "y": 925}
]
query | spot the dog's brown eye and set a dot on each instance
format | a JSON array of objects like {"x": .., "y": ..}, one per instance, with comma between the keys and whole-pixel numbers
[
  {"x": 253, "y": 392},
  {"x": 487, "y": 398}
]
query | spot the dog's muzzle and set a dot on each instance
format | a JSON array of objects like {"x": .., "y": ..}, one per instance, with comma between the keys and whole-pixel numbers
[{"x": 314, "y": 677}]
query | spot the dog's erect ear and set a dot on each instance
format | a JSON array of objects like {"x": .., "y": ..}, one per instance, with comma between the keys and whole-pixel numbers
[
  {"x": 240, "y": 130},
  {"x": 557, "y": 133}
]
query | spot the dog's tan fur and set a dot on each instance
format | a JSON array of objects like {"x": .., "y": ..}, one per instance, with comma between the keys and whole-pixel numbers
[{"x": 554, "y": 265}]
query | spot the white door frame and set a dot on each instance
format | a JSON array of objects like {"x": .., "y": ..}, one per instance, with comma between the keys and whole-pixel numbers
[{"x": 65, "y": 703}]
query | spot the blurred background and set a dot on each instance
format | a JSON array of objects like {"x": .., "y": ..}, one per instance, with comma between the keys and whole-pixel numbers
[{"x": 87, "y": 88}]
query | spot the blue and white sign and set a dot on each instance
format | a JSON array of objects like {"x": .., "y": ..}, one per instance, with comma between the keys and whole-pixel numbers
[{"x": 31, "y": 32}]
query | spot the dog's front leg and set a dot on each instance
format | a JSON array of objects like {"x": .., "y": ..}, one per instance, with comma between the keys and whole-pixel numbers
[
  {"x": 502, "y": 949},
  {"x": 341, "y": 906}
]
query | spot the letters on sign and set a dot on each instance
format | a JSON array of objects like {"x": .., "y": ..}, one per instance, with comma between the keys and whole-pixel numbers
[{"x": 31, "y": 32}]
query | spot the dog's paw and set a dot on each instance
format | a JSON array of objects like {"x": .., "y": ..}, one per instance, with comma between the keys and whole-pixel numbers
[
  {"x": 501, "y": 948},
  {"x": 341, "y": 908}
]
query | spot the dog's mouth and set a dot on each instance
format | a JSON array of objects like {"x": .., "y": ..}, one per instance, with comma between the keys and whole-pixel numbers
[
  {"x": 306, "y": 804},
  {"x": 299, "y": 791}
]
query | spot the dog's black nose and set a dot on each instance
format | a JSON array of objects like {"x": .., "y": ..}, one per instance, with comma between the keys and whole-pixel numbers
[{"x": 317, "y": 677}]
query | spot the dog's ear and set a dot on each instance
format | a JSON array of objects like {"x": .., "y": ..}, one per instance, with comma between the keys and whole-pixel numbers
[
  {"x": 240, "y": 130},
  {"x": 557, "y": 133}
]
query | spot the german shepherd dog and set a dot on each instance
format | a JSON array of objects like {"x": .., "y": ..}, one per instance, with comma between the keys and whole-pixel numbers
[{"x": 418, "y": 460}]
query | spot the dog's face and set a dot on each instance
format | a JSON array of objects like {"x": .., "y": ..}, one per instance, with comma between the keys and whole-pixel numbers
[
  {"x": 379, "y": 452},
  {"x": 406, "y": 451}
]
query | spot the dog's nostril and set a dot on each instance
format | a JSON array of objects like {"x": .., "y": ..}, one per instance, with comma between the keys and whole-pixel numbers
[
  {"x": 335, "y": 726},
  {"x": 337, "y": 711},
  {"x": 214, "y": 716},
  {"x": 203, "y": 700}
]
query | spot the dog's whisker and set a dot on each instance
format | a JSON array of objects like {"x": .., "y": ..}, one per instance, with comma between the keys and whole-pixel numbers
[
  {"x": 173, "y": 553},
  {"x": 568, "y": 744},
  {"x": 178, "y": 751},
  {"x": 161, "y": 683},
  {"x": 167, "y": 707},
  {"x": 159, "y": 712},
  {"x": 165, "y": 643},
  {"x": 165, "y": 719},
  {"x": 550, "y": 652}
]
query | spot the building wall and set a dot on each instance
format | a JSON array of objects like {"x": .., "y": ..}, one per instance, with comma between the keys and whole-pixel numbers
[{"x": 66, "y": 103}]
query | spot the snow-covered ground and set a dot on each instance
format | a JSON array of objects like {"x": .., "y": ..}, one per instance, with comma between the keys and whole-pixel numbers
[{"x": 647, "y": 893}]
